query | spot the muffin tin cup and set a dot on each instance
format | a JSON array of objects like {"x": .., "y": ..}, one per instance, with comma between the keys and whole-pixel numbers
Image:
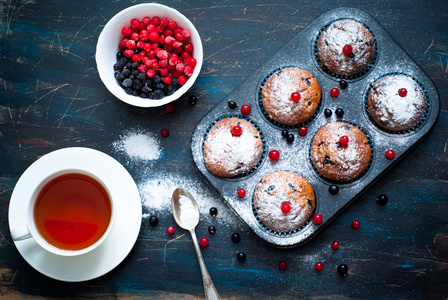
[
  {"x": 345, "y": 77},
  {"x": 295, "y": 156},
  {"x": 411, "y": 130}
]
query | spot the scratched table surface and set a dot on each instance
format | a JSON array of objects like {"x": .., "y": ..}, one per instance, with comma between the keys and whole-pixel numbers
[{"x": 51, "y": 97}]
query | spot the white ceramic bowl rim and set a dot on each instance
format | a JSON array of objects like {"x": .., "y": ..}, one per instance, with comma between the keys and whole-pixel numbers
[{"x": 107, "y": 48}]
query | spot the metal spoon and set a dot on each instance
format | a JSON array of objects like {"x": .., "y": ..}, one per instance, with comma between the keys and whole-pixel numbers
[{"x": 186, "y": 214}]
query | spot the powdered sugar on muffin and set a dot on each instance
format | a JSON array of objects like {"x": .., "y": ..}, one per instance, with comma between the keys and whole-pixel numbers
[
  {"x": 227, "y": 155},
  {"x": 392, "y": 111},
  {"x": 282, "y": 187},
  {"x": 346, "y": 32},
  {"x": 337, "y": 162},
  {"x": 276, "y": 96}
]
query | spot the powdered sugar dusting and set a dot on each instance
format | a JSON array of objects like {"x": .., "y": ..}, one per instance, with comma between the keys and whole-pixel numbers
[
  {"x": 139, "y": 145},
  {"x": 397, "y": 110}
]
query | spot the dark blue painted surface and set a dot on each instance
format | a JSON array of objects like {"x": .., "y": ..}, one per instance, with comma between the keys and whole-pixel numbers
[{"x": 51, "y": 97}]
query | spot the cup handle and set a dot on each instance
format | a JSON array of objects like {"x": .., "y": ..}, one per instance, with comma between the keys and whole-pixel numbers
[{"x": 20, "y": 233}]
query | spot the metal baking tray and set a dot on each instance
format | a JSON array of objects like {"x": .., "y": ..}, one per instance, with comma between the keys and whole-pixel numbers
[{"x": 300, "y": 52}]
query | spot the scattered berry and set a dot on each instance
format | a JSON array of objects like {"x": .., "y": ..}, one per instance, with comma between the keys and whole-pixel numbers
[
  {"x": 318, "y": 219},
  {"x": 303, "y": 130},
  {"x": 193, "y": 100},
  {"x": 347, "y": 49},
  {"x": 402, "y": 92},
  {"x": 285, "y": 133},
  {"x": 211, "y": 229},
  {"x": 232, "y": 104},
  {"x": 245, "y": 109},
  {"x": 241, "y": 193},
  {"x": 274, "y": 155},
  {"x": 333, "y": 189},
  {"x": 290, "y": 138},
  {"x": 319, "y": 266},
  {"x": 241, "y": 256},
  {"x": 343, "y": 140},
  {"x": 164, "y": 132},
  {"x": 282, "y": 265},
  {"x": 236, "y": 130},
  {"x": 153, "y": 220},
  {"x": 328, "y": 112},
  {"x": 343, "y": 84},
  {"x": 236, "y": 237},
  {"x": 295, "y": 96},
  {"x": 382, "y": 199},
  {"x": 356, "y": 224},
  {"x": 339, "y": 112},
  {"x": 334, "y": 92},
  {"x": 335, "y": 245},
  {"x": 169, "y": 108},
  {"x": 170, "y": 230},
  {"x": 213, "y": 211},
  {"x": 343, "y": 269},
  {"x": 390, "y": 154},
  {"x": 286, "y": 208},
  {"x": 203, "y": 242}
]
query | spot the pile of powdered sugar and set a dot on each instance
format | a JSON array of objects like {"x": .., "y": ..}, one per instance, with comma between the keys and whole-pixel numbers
[{"x": 138, "y": 145}]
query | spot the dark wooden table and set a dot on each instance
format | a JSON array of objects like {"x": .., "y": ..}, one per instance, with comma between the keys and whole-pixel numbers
[{"x": 51, "y": 97}]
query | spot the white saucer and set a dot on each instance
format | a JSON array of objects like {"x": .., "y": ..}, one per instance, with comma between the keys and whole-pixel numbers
[{"x": 124, "y": 232}]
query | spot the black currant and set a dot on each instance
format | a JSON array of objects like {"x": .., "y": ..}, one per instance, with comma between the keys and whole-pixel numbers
[
  {"x": 339, "y": 112},
  {"x": 232, "y": 104},
  {"x": 328, "y": 112},
  {"x": 343, "y": 84},
  {"x": 241, "y": 256},
  {"x": 153, "y": 220},
  {"x": 211, "y": 229},
  {"x": 333, "y": 189},
  {"x": 290, "y": 138},
  {"x": 343, "y": 269},
  {"x": 236, "y": 238},
  {"x": 193, "y": 100},
  {"x": 213, "y": 211},
  {"x": 382, "y": 199},
  {"x": 285, "y": 133}
]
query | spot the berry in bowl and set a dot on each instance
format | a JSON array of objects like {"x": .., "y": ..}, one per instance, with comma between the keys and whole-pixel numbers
[{"x": 149, "y": 55}]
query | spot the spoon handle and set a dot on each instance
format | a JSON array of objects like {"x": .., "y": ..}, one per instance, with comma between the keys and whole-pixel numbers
[{"x": 209, "y": 287}]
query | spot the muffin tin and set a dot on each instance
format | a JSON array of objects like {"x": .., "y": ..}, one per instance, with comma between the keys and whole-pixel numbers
[{"x": 300, "y": 52}]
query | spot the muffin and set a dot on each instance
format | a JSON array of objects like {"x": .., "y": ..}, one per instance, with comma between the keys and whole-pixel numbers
[
  {"x": 228, "y": 154},
  {"x": 280, "y": 188},
  {"x": 346, "y": 62},
  {"x": 393, "y": 108},
  {"x": 334, "y": 158},
  {"x": 278, "y": 101}
]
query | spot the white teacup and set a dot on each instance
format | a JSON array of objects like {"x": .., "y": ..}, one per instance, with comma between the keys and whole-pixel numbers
[{"x": 70, "y": 212}]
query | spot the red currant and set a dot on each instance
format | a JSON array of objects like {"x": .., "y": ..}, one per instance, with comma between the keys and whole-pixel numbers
[
  {"x": 318, "y": 219},
  {"x": 335, "y": 245},
  {"x": 286, "y": 208},
  {"x": 295, "y": 96},
  {"x": 241, "y": 193},
  {"x": 334, "y": 92},
  {"x": 236, "y": 131},
  {"x": 282, "y": 265},
  {"x": 170, "y": 230},
  {"x": 303, "y": 130},
  {"x": 343, "y": 140},
  {"x": 182, "y": 79},
  {"x": 126, "y": 31},
  {"x": 169, "y": 107},
  {"x": 390, "y": 154},
  {"x": 245, "y": 109},
  {"x": 319, "y": 266},
  {"x": 274, "y": 155},
  {"x": 347, "y": 49},
  {"x": 203, "y": 242},
  {"x": 135, "y": 23},
  {"x": 402, "y": 92},
  {"x": 356, "y": 224},
  {"x": 167, "y": 79},
  {"x": 164, "y": 132}
]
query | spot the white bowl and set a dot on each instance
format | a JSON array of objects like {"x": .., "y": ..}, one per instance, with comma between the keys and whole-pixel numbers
[{"x": 107, "y": 48}]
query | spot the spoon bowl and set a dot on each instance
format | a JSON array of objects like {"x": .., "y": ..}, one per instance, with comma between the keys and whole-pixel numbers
[{"x": 186, "y": 214}]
